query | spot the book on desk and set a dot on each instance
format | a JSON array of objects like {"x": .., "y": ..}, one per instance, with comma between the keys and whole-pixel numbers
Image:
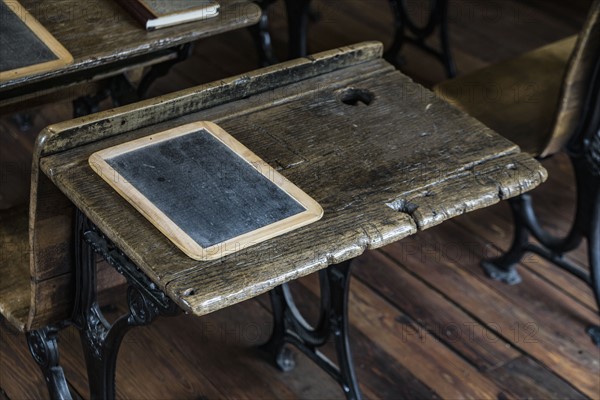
[
  {"x": 26, "y": 47},
  {"x": 205, "y": 191},
  {"x": 155, "y": 14}
]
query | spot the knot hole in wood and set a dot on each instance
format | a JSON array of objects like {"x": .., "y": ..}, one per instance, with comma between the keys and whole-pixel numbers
[{"x": 355, "y": 96}]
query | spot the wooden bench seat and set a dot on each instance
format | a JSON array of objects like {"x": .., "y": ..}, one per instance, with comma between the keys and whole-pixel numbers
[{"x": 15, "y": 284}]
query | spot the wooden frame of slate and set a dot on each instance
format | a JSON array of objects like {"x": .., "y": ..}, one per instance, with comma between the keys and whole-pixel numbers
[
  {"x": 205, "y": 191},
  {"x": 22, "y": 26}
]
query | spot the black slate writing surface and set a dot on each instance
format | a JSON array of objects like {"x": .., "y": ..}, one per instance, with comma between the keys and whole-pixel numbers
[
  {"x": 19, "y": 45},
  {"x": 204, "y": 187}
]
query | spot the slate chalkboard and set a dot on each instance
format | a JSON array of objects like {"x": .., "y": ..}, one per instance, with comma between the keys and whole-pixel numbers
[
  {"x": 26, "y": 47},
  {"x": 204, "y": 190}
]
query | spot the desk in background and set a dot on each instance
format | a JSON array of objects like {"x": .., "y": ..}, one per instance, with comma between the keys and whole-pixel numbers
[{"x": 105, "y": 41}]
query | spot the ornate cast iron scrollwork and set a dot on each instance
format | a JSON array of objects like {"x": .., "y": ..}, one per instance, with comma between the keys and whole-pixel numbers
[
  {"x": 43, "y": 345},
  {"x": 142, "y": 310},
  {"x": 100, "y": 339},
  {"x": 289, "y": 327},
  {"x": 101, "y": 245},
  {"x": 407, "y": 31},
  {"x": 95, "y": 330}
]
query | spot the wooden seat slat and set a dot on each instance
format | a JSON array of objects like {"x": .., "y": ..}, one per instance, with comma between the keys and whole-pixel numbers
[{"x": 14, "y": 266}]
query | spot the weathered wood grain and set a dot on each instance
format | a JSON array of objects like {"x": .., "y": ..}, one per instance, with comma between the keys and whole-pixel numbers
[
  {"x": 437, "y": 320},
  {"x": 477, "y": 40},
  {"x": 204, "y": 190},
  {"x": 22, "y": 31},
  {"x": 499, "y": 231},
  {"x": 525, "y": 378},
  {"x": 212, "y": 357},
  {"x": 521, "y": 314},
  {"x": 19, "y": 374},
  {"x": 449, "y": 375},
  {"x": 559, "y": 198},
  {"x": 437, "y": 317},
  {"x": 379, "y": 375},
  {"x": 352, "y": 159},
  {"x": 73, "y": 133},
  {"x": 14, "y": 262},
  {"x": 50, "y": 204}
]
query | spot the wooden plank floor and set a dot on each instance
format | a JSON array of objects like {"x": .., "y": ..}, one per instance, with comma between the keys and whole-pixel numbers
[{"x": 425, "y": 321}]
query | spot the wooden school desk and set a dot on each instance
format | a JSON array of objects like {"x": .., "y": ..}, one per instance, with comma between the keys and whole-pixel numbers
[
  {"x": 105, "y": 40},
  {"x": 383, "y": 156}
]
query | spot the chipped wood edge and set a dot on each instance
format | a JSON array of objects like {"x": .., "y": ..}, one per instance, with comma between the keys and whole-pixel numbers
[
  {"x": 489, "y": 182},
  {"x": 249, "y": 17},
  {"x": 367, "y": 237}
]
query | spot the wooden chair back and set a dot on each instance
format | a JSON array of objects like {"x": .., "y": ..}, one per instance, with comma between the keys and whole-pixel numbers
[{"x": 577, "y": 84}]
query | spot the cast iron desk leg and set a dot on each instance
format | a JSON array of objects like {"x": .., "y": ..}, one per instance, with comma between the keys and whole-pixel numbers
[
  {"x": 262, "y": 36},
  {"x": 43, "y": 345},
  {"x": 289, "y": 327},
  {"x": 100, "y": 339},
  {"x": 408, "y": 31},
  {"x": 298, "y": 14},
  {"x": 553, "y": 249}
]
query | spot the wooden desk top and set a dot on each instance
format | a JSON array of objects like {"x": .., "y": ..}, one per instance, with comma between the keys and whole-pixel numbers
[
  {"x": 381, "y": 172},
  {"x": 103, "y": 37}
]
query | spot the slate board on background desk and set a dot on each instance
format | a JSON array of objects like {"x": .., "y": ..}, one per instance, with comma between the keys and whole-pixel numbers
[
  {"x": 26, "y": 47},
  {"x": 204, "y": 190}
]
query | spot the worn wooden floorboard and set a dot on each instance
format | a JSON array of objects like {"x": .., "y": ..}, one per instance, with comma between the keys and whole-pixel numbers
[
  {"x": 495, "y": 225},
  {"x": 379, "y": 373},
  {"x": 498, "y": 232},
  {"x": 535, "y": 316},
  {"x": 19, "y": 375},
  {"x": 457, "y": 329},
  {"x": 407, "y": 301},
  {"x": 436, "y": 319}
]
